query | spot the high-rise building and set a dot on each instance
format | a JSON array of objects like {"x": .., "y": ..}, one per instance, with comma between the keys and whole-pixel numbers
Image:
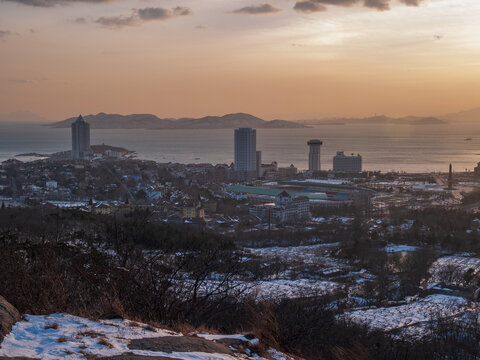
[
  {"x": 314, "y": 163},
  {"x": 259, "y": 162},
  {"x": 348, "y": 164},
  {"x": 80, "y": 139},
  {"x": 246, "y": 152}
]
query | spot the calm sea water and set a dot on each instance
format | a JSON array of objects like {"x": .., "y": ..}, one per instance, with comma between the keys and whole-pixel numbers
[{"x": 384, "y": 148}]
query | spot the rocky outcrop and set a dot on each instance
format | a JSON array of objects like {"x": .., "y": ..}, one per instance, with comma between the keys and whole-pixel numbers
[
  {"x": 171, "y": 344},
  {"x": 8, "y": 316}
]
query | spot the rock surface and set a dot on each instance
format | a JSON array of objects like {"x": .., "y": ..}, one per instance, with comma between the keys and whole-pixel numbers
[
  {"x": 171, "y": 344},
  {"x": 8, "y": 316}
]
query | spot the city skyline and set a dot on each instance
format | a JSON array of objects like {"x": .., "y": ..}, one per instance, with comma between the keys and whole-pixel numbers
[{"x": 274, "y": 59}]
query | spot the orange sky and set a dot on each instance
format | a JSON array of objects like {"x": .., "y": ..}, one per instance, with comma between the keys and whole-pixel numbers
[{"x": 210, "y": 57}]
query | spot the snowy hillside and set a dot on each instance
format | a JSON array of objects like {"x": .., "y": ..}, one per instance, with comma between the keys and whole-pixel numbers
[{"x": 71, "y": 337}]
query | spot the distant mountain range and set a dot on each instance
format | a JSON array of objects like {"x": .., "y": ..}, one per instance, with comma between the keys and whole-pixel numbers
[
  {"x": 22, "y": 117},
  {"x": 464, "y": 116},
  {"x": 381, "y": 119},
  {"x": 149, "y": 121},
  {"x": 230, "y": 121}
]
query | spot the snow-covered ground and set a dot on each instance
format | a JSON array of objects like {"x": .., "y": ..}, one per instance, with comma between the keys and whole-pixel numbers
[
  {"x": 317, "y": 255},
  {"x": 400, "y": 248},
  {"x": 412, "y": 318},
  {"x": 278, "y": 289},
  {"x": 451, "y": 270},
  {"x": 70, "y": 337}
]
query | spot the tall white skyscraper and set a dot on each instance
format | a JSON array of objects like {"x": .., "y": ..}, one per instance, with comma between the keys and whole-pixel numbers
[
  {"x": 246, "y": 151},
  {"x": 80, "y": 139},
  {"x": 314, "y": 163}
]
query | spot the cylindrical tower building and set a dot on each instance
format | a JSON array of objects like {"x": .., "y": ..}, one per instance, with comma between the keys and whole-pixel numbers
[{"x": 314, "y": 163}]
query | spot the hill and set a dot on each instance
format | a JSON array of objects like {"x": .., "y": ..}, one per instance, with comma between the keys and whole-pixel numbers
[
  {"x": 472, "y": 115},
  {"x": 382, "y": 119},
  {"x": 149, "y": 121}
]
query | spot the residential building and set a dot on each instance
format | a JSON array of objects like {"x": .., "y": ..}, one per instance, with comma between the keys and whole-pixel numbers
[
  {"x": 245, "y": 153},
  {"x": 285, "y": 209},
  {"x": 289, "y": 171},
  {"x": 80, "y": 139},
  {"x": 268, "y": 168},
  {"x": 193, "y": 212},
  {"x": 347, "y": 163}
]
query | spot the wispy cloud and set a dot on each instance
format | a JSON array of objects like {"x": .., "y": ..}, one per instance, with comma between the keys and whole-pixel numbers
[
  {"x": 4, "y": 33},
  {"x": 263, "y": 9},
  {"x": 116, "y": 21},
  {"x": 51, "y": 3},
  {"x": 311, "y": 6},
  {"x": 80, "y": 20},
  {"x": 140, "y": 15}
]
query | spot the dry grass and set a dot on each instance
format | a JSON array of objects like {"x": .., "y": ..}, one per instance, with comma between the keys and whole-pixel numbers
[
  {"x": 53, "y": 326},
  {"x": 104, "y": 342},
  {"x": 259, "y": 349},
  {"x": 91, "y": 334},
  {"x": 88, "y": 356},
  {"x": 357, "y": 352},
  {"x": 150, "y": 328},
  {"x": 187, "y": 329},
  {"x": 62, "y": 339}
]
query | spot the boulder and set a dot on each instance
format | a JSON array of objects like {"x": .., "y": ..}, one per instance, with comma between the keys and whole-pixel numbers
[{"x": 8, "y": 316}]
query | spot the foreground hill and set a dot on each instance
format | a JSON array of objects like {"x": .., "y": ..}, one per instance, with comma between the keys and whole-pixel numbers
[
  {"x": 149, "y": 121},
  {"x": 70, "y": 337}
]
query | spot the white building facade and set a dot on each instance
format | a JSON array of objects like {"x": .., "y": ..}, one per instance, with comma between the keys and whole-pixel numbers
[
  {"x": 347, "y": 163},
  {"x": 286, "y": 209}
]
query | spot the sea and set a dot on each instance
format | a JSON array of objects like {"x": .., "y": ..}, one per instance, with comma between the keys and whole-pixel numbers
[{"x": 386, "y": 147}]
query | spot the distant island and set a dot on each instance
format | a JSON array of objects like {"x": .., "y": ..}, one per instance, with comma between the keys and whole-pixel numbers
[
  {"x": 381, "y": 119},
  {"x": 149, "y": 121},
  {"x": 96, "y": 149}
]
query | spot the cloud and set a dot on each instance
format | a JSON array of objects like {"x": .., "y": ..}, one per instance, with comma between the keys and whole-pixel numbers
[
  {"x": 80, "y": 20},
  {"x": 17, "y": 81},
  {"x": 51, "y": 3},
  {"x": 411, "y": 2},
  {"x": 263, "y": 9},
  {"x": 182, "y": 11},
  {"x": 116, "y": 21},
  {"x": 201, "y": 27},
  {"x": 380, "y": 5},
  {"x": 140, "y": 15},
  {"x": 4, "y": 33},
  {"x": 162, "y": 14},
  {"x": 153, "y": 14},
  {"x": 311, "y": 6}
]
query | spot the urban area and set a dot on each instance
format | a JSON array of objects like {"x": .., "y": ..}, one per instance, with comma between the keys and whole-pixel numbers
[{"x": 316, "y": 263}]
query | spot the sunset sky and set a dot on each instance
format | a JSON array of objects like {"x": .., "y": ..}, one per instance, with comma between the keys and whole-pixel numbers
[{"x": 282, "y": 59}]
